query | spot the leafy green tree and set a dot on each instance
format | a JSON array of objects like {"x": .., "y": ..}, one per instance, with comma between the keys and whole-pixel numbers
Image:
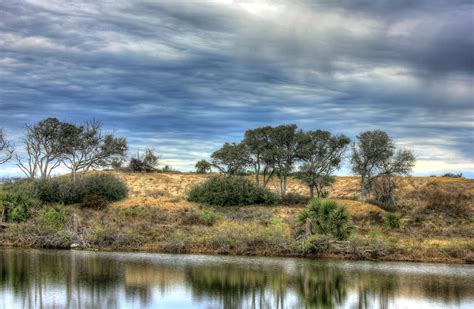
[
  {"x": 203, "y": 167},
  {"x": 283, "y": 151},
  {"x": 44, "y": 147},
  {"x": 231, "y": 159},
  {"x": 374, "y": 155},
  {"x": 322, "y": 155},
  {"x": 259, "y": 147}
]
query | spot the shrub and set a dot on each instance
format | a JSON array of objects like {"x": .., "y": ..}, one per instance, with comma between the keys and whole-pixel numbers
[
  {"x": 231, "y": 191},
  {"x": 55, "y": 216},
  {"x": 106, "y": 185},
  {"x": 294, "y": 199},
  {"x": 147, "y": 162},
  {"x": 376, "y": 217},
  {"x": 59, "y": 190},
  {"x": 208, "y": 216},
  {"x": 94, "y": 201},
  {"x": 17, "y": 205},
  {"x": 103, "y": 237},
  {"x": 64, "y": 190},
  {"x": 382, "y": 205},
  {"x": 360, "y": 248},
  {"x": 205, "y": 216},
  {"x": 39, "y": 235},
  {"x": 328, "y": 218},
  {"x": 452, "y": 175},
  {"x": 451, "y": 202},
  {"x": 136, "y": 211},
  {"x": 392, "y": 220},
  {"x": 315, "y": 244}
]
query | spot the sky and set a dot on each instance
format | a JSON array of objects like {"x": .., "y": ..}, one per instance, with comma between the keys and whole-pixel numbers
[{"x": 183, "y": 77}]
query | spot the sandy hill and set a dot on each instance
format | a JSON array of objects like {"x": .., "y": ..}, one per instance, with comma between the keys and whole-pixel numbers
[{"x": 169, "y": 189}]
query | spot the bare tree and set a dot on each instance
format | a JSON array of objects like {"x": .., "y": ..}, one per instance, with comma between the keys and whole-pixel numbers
[
  {"x": 6, "y": 148},
  {"x": 145, "y": 163},
  {"x": 87, "y": 148}
]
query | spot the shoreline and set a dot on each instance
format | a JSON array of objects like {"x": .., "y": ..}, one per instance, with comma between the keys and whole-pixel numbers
[{"x": 329, "y": 257}]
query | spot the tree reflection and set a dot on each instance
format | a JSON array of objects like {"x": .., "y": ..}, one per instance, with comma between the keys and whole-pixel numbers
[
  {"x": 238, "y": 286},
  {"x": 48, "y": 278},
  {"x": 321, "y": 287}
]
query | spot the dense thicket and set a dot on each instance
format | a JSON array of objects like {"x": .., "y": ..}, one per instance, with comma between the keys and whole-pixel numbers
[
  {"x": 64, "y": 190},
  {"x": 231, "y": 191}
]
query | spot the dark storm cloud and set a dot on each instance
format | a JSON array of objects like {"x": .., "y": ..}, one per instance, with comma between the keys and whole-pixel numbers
[{"x": 186, "y": 76}]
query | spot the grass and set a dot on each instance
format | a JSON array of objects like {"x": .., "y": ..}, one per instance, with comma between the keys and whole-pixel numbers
[{"x": 156, "y": 217}]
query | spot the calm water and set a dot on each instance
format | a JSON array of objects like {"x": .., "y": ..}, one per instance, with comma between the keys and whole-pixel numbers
[{"x": 80, "y": 279}]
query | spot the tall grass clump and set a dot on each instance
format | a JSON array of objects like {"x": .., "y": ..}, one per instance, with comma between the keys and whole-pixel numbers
[
  {"x": 325, "y": 217},
  {"x": 392, "y": 220},
  {"x": 231, "y": 191},
  {"x": 65, "y": 191}
]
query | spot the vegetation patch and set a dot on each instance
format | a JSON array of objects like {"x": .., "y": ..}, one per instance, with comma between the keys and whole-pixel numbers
[
  {"x": 325, "y": 217},
  {"x": 231, "y": 191},
  {"x": 67, "y": 191}
]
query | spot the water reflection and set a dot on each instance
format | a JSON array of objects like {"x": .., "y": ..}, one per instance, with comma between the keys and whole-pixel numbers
[{"x": 41, "y": 278}]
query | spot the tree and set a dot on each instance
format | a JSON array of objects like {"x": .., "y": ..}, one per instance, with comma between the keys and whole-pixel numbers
[
  {"x": 87, "y": 148},
  {"x": 203, "y": 167},
  {"x": 6, "y": 148},
  {"x": 322, "y": 155},
  {"x": 283, "y": 151},
  {"x": 231, "y": 159},
  {"x": 44, "y": 146},
  {"x": 258, "y": 144},
  {"x": 374, "y": 155},
  {"x": 144, "y": 163}
]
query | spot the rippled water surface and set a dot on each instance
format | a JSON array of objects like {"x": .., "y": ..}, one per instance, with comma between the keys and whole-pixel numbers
[{"x": 81, "y": 279}]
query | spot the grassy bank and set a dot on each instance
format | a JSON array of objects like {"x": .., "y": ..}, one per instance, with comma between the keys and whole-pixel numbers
[{"x": 157, "y": 217}]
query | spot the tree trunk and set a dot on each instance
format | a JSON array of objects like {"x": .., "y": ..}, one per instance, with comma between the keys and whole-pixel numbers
[
  {"x": 257, "y": 172},
  {"x": 4, "y": 215},
  {"x": 311, "y": 192},
  {"x": 363, "y": 189},
  {"x": 281, "y": 186},
  {"x": 284, "y": 184}
]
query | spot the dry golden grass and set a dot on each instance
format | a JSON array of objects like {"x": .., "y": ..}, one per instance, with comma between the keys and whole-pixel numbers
[
  {"x": 168, "y": 190},
  {"x": 157, "y": 217}
]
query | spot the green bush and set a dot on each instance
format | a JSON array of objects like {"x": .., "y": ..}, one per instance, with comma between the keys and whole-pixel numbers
[
  {"x": 208, "y": 216},
  {"x": 17, "y": 204},
  {"x": 231, "y": 191},
  {"x": 64, "y": 190},
  {"x": 55, "y": 216},
  {"x": 327, "y": 218},
  {"x": 294, "y": 199},
  {"x": 392, "y": 220}
]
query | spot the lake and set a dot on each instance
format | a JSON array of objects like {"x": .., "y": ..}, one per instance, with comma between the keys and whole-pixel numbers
[{"x": 83, "y": 279}]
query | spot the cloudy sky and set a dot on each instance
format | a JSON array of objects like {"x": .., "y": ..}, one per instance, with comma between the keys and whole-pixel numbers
[{"x": 185, "y": 76}]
